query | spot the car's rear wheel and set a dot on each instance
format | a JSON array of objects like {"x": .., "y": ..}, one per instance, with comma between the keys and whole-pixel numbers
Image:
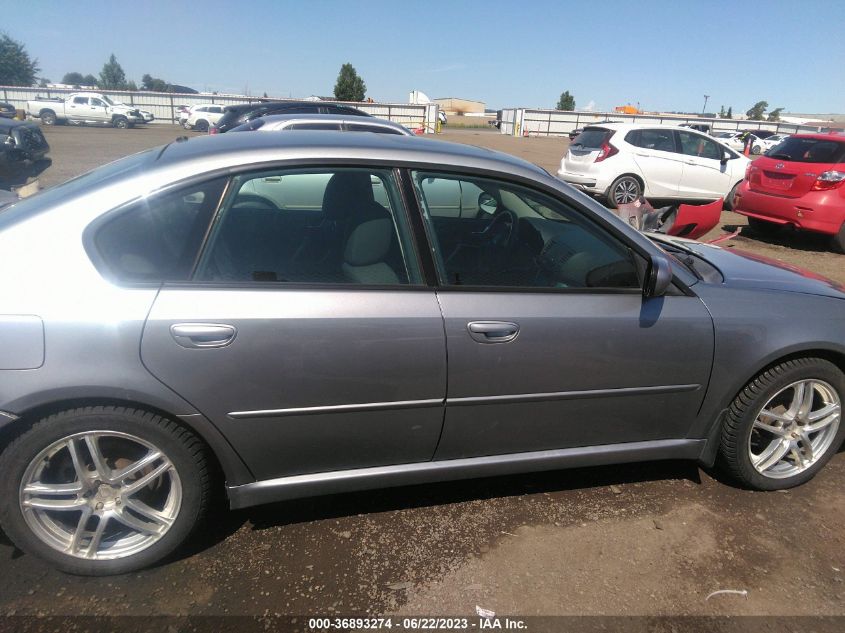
[
  {"x": 201, "y": 125},
  {"x": 103, "y": 490},
  {"x": 731, "y": 198},
  {"x": 48, "y": 117},
  {"x": 762, "y": 227},
  {"x": 838, "y": 240},
  {"x": 756, "y": 150},
  {"x": 785, "y": 424},
  {"x": 624, "y": 189}
]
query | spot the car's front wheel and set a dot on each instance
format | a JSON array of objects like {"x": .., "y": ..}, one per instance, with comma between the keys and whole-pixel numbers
[
  {"x": 102, "y": 490},
  {"x": 624, "y": 189},
  {"x": 785, "y": 424}
]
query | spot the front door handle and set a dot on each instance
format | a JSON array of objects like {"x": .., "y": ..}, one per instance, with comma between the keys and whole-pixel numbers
[
  {"x": 202, "y": 335},
  {"x": 493, "y": 331}
]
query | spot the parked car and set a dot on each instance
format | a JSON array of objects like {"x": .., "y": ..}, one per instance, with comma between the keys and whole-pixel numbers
[
  {"x": 23, "y": 152},
  {"x": 236, "y": 115},
  {"x": 7, "y": 111},
  {"x": 363, "y": 327},
  {"x": 736, "y": 140},
  {"x": 698, "y": 127},
  {"x": 88, "y": 108},
  {"x": 202, "y": 117},
  {"x": 325, "y": 122},
  {"x": 801, "y": 183},
  {"x": 763, "y": 145},
  {"x": 622, "y": 161}
]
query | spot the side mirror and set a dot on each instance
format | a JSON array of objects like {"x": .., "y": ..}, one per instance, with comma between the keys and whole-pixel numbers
[{"x": 658, "y": 277}]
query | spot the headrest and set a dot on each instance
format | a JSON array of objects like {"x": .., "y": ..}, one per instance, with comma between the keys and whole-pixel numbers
[{"x": 369, "y": 242}]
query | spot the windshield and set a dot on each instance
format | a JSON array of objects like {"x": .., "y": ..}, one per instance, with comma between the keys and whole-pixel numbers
[
  {"x": 809, "y": 150},
  {"x": 591, "y": 138},
  {"x": 107, "y": 100}
]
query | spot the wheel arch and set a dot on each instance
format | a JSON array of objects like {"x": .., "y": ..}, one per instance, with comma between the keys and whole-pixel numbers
[
  {"x": 220, "y": 451},
  {"x": 711, "y": 447}
]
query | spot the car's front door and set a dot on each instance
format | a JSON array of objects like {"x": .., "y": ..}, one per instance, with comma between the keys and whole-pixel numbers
[
  {"x": 305, "y": 331},
  {"x": 655, "y": 153},
  {"x": 79, "y": 109},
  {"x": 550, "y": 341},
  {"x": 705, "y": 175}
]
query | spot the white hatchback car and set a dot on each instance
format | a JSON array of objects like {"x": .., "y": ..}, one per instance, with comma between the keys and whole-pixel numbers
[{"x": 621, "y": 161}]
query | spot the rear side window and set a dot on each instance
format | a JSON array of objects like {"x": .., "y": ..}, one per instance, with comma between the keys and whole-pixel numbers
[
  {"x": 809, "y": 150},
  {"x": 158, "y": 238},
  {"x": 592, "y": 138},
  {"x": 658, "y": 140}
]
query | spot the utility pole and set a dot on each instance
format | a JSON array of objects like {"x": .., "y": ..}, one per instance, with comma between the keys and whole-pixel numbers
[{"x": 706, "y": 97}]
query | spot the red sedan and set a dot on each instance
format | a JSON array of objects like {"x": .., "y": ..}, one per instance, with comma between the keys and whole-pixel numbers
[{"x": 800, "y": 182}]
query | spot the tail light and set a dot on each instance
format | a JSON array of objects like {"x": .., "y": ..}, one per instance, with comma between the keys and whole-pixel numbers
[
  {"x": 607, "y": 150},
  {"x": 829, "y": 180},
  {"x": 213, "y": 130}
]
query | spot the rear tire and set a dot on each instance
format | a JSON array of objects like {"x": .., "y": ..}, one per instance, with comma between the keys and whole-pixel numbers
[
  {"x": 93, "y": 451},
  {"x": 838, "y": 240},
  {"x": 766, "y": 443},
  {"x": 201, "y": 125},
  {"x": 48, "y": 117},
  {"x": 731, "y": 197},
  {"x": 624, "y": 189},
  {"x": 756, "y": 150}
]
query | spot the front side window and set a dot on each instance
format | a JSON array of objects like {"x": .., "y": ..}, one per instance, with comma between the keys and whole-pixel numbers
[
  {"x": 98, "y": 103},
  {"x": 512, "y": 236},
  {"x": 334, "y": 226},
  {"x": 158, "y": 238},
  {"x": 696, "y": 145}
]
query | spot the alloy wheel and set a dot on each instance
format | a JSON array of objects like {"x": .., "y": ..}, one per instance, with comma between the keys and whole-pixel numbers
[{"x": 626, "y": 190}]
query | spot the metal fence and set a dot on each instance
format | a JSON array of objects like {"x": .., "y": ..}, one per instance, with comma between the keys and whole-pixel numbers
[
  {"x": 529, "y": 122},
  {"x": 164, "y": 105}
]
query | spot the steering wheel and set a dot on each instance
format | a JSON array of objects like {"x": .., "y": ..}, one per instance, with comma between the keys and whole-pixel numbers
[{"x": 502, "y": 230}]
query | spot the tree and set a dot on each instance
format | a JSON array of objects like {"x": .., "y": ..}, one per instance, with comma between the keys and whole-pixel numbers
[
  {"x": 74, "y": 79},
  {"x": 774, "y": 115},
  {"x": 758, "y": 111},
  {"x": 89, "y": 80},
  {"x": 112, "y": 76},
  {"x": 721, "y": 112},
  {"x": 131, "y": 86},
  {"x": 730, "y": 114},
  {"x": 17, "y": 68},
  {"x": 42, "y": 83},
  {"x": 154, "y": 84},
  {"x": 349, "y": 86},
  {"x": 566, "y": 101}
]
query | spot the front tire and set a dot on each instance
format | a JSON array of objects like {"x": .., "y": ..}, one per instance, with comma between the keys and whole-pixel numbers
[
  {"x": 624, "y": 189},
  {"x": 838, "y": 240},
  {"x": 120, "y": 122},
  {"x": 785, "y": 425},
  {"x": 731, "y": 197},
  {"x": 103, "y": 490},
  {"x": 756, "y": 150},
  {"x": 201, "y": 125}
]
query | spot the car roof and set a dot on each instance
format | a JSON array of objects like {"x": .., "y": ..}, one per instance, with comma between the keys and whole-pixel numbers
[
  {"x": 241, "y": 149},
  {"x": 638, "y": 126}
]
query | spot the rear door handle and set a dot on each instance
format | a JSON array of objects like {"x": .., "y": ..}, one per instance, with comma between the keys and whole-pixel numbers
[
  {"x": 202, "y": 335},
  {"x": 493, "y": 331}
]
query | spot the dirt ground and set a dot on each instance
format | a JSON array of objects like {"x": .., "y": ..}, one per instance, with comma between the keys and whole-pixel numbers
[{"x": 649, "y": 540}]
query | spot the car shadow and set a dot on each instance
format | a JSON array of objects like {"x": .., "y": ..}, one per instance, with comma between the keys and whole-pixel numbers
[
  {"x": 785, "y": 236},
  {"x": 341, "y": 505}
]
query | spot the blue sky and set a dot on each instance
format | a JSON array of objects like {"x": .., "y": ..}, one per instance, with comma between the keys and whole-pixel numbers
[{"x": 663, "y": 55}]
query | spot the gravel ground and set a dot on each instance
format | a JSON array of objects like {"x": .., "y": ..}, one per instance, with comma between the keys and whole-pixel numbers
[{"x": 649, "y": 540}]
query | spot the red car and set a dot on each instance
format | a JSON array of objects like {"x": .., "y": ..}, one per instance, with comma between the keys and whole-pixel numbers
[{"x": 800, "y": 182}]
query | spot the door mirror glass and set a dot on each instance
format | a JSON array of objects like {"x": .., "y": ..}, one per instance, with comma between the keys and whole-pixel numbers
[{"x": 658, "y": 277}]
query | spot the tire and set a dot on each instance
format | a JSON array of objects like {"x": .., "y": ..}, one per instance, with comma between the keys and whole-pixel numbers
[
  {"x": 762, "y": 227},
  {"x": 201, "y": 125},
  {"x": 838, "y": 240},
  {"x": 622, "y": 189},
  {"x": 48, "y": 117},
  {"x": 729, "y": 200},
  {"x": 174, "y": 500},
  {"x": 756, "y": 150},
  {"x": 796, "y": 455},
  {"x": 120, "y": 122}
]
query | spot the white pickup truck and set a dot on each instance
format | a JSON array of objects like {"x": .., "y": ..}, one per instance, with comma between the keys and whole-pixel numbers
[{"x": 87, "y": 107}]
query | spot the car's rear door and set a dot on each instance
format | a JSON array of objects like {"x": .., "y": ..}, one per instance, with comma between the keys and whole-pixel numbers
[
  {"x": 550, "y": 342},
  {"x": 656, "y": 154},
  {"x": 704, "y": 175},
  {"x": 305, "y": 331}
]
